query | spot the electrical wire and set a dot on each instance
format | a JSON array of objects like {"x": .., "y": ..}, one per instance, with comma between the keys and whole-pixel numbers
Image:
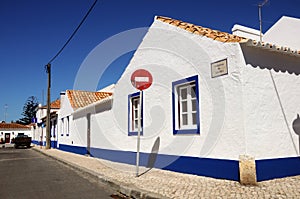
[{"x": 74, "y": 32}]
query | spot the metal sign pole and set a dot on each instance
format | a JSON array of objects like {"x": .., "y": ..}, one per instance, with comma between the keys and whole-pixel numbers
[
  {"x": 141, "y": 79},
  {"x": 139, "y": 134}
]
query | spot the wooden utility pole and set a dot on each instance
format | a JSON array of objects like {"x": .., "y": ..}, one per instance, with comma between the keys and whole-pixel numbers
[{"x": 48, "y": 128}]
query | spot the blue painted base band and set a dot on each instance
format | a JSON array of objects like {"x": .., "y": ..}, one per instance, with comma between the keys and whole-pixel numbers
[
  {"x": 73, "y": 149},
  {"x": 223, "y": 169},
  {"x": 35, "y": 142},
  {"x": 277, "y": 168},
  {"x": 216, "y": 168},
  {"x": 53, "y": 143}
]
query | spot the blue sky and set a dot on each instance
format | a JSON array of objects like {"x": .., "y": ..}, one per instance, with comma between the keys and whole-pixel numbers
[{"x": 32, "y": 32}]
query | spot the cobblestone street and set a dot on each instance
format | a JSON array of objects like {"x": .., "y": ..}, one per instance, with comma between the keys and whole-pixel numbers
[{"x": 169, "y": 184}]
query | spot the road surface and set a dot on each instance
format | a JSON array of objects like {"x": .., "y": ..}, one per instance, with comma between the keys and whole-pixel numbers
[{"x": 25, "y": 173}]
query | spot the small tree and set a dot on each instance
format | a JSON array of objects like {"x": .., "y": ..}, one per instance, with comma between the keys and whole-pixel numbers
[{"x": 29, "y": 110}]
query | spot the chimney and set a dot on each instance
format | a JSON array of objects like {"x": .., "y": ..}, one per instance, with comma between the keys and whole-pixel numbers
[
  {"x": 62, "y": 97},
  {"x": 246, "y": 32}
]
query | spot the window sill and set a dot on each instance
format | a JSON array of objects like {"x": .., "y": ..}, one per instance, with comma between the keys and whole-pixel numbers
[
  {"x": 135, "y": 133},
  {"x": 186, "y": 132}
]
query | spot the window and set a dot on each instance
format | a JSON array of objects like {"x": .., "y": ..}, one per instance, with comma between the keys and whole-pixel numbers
[
  {"x": 62, "y": 126},
  {"x": 133, "y": 106},
  {"x": 185, "y": 99},
  {"x": 54, "y": 128},
  {"x": 51, "y": 129},
  {"x": 67, "y": 125}
]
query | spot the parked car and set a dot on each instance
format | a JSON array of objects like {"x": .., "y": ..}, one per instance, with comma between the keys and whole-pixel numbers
[{"x": 22, "y": 140}]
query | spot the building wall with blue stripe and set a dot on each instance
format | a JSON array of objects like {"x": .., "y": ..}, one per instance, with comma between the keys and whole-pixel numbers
[
  {"x": 226, "y": 130},
  {"x": 217, "y": 168}
]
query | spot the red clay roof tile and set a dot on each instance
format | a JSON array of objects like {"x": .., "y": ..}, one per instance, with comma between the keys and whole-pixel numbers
[
  {"x": 13, "y": 126},
  {"x": 54, "y": 105},
  {"x": 80, "y": 99},
  {"x": 207, "y": 32}
]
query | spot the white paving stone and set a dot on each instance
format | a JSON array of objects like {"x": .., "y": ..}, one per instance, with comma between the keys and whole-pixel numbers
[{"x": 178, "y": 185}]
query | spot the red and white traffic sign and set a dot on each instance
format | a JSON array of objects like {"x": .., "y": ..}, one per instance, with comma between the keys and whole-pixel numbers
[{"x": 141, "y": 79}]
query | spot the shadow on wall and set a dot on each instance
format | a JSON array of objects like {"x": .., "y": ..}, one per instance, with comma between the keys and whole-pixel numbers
[
  {"x": 152, "y": 156},
  {"x": 296, "y": 127},
  {"x": 267, "y": 59}
]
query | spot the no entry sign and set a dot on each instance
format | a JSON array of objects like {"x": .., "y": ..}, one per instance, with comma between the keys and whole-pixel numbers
[{"x": 141, "y": 79}]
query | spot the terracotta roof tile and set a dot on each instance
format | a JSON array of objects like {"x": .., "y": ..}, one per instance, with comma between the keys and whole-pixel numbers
[
  {"x": 54, "y": 105},
  {"x": 80, "y": 99},
  {"x": 13, "y": 126},
  {"x": 207, "y": 32},
  {"x": 226, "y": 37}
]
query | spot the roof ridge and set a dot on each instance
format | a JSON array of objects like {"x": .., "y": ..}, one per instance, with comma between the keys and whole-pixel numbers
[
  {"x": 80, "y": 98},
  {"x": 13, "y": 126},
  {"x": 199, "y": 30},
  {"x": 89, "y": 91}
]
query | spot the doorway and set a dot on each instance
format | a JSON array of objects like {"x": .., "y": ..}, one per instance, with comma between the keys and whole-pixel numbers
[{"x": 7, "y": 137}]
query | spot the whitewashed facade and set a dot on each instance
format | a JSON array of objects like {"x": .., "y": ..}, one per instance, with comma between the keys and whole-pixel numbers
[
  {"x": 8, "y": 131},
  {"x": 39, "y": 128},
  {"x": 211, "y": 101}
]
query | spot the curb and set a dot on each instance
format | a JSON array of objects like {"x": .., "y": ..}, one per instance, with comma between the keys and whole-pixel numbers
[{"x": 129, "y": 190}]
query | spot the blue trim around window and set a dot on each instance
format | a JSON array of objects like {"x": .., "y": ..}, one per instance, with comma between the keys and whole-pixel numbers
[
  {"x": 174, "y": 104},
  {"x": 131, "y": 133}
]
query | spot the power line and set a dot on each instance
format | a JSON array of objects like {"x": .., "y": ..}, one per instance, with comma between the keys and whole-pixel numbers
[
  {"x": 48, "y": 70},
  {"x": 75, "y": 31}
]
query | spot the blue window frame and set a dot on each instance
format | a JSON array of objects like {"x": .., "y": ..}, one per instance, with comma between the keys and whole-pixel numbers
[
  {"x": 133, "y": 103},
  {"x": 185, "y": 106}
]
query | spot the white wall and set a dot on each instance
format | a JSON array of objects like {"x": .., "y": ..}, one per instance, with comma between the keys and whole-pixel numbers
[
  {"x": 239, "y": 112},
  {"x": 268, "y": 127},
  {"x": 14, "y": 132},
  {"x": 171, "y": 54},
  {"x": 73, "y": 137},
  {"x": 285, "y": 32}
]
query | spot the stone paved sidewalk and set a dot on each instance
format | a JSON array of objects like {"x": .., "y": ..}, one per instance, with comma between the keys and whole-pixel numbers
[{"x": 156, "y": 183}]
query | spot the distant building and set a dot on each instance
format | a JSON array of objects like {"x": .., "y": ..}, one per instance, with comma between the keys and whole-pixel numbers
[
  {"x": 39, "y": 128},
  {"x": 8, "y": 131}
]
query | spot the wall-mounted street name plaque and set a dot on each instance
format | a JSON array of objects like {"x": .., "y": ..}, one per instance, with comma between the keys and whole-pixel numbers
[{"x": 219, "y": 68}]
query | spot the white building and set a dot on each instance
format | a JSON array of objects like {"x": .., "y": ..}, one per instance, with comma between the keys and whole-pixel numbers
[
  {"x": 215, "y": 96},
  {"x": 70, "y": 135},
  {"x": 285, "y": 32},
  {"x": 39, "y": 128},
  {"x": 8, "y": 131}
]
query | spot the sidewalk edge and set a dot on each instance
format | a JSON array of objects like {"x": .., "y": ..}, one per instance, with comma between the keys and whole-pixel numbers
[{"x": 127, "y": 189}]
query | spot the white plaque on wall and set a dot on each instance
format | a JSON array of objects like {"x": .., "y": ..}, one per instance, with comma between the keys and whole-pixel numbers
[{"x": 219, "y": 68}]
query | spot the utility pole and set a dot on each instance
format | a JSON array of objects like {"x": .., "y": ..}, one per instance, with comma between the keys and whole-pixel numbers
[
  {"x": 48, "y": 69},
  {"x": 48, "y": 128}
]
